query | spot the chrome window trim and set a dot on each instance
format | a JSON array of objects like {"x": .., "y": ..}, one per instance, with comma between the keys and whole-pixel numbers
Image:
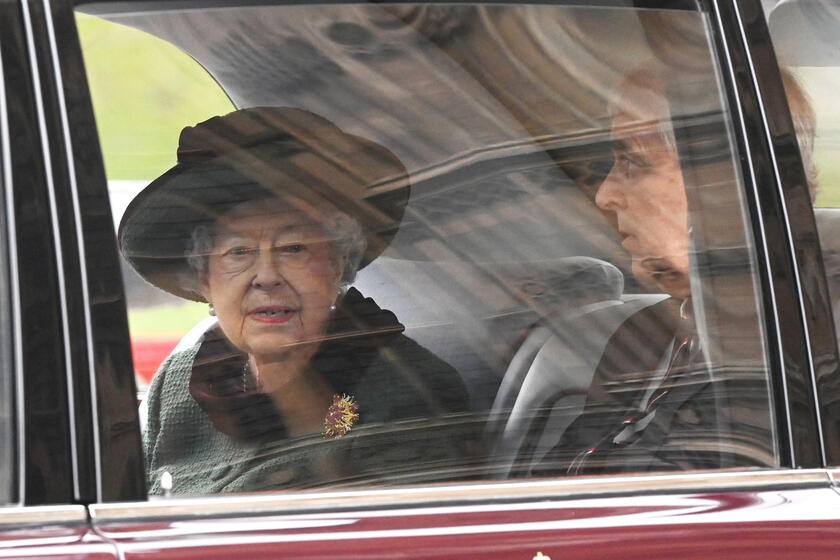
[
  {"x": 14, "y": 286},
  {"x": 42, "y": 515},
  {"x": 455, "y": 494},
  {"x": 797, "y": 280},
  {"x": 59, "y": 253},
  {"x": 770, "y": 288},
  {"x": 80, "y": 241}
]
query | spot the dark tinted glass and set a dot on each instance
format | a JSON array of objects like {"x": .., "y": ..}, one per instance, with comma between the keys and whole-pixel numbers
[{"x": 554, "y": 272}]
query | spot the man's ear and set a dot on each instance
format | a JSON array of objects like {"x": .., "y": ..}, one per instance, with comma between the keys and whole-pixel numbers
[{"x": 340, "y": 265}]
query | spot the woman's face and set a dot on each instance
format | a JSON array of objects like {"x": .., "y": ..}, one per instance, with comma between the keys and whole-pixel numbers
[
  {"x": 271, "y": 276},
  {"x": 645, "y": 190}
]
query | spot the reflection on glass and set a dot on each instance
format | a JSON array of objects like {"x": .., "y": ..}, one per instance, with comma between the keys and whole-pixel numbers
[{"x": 557, "y": 251}]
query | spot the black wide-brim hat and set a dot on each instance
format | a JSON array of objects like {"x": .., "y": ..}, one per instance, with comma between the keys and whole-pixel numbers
[{"x": 254, "y": 154}]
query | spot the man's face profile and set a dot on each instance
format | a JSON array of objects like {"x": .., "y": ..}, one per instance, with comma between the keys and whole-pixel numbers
[{"x": 646, "y": 192}]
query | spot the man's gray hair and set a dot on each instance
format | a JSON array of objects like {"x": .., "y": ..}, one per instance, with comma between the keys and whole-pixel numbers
[
  {"x": 346, "y": 237},
  {"x": 646, "y": 82}
]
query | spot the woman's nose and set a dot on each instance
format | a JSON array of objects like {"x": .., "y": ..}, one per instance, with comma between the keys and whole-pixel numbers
[
  {"x": 609, "y": 195},
  {"x": 267, "y": 271}
]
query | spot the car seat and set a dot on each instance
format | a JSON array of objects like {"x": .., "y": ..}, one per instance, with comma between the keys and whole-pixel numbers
[{"x": 545, "y": 386}]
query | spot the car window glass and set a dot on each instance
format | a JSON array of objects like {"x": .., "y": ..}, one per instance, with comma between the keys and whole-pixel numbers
[
  {"x": 442, "y": 242},
  {"x": 144, "y": 91}
]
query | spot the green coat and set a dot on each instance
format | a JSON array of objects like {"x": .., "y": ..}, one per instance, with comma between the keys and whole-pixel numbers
[{"x": 412, "y": 427}]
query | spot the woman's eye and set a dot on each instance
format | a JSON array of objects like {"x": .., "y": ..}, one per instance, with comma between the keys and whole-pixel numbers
[
  {"x": 238, "y": 252},
  {"x": 292, "y": 248}
]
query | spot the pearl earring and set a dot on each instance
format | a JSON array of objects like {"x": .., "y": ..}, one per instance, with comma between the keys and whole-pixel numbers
[
  {"x": 211, "y": 310},
  {"x": 339, "y": 293}
]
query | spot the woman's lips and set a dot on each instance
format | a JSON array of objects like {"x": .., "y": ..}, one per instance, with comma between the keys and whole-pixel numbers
[{"x": 274, "y": 315}]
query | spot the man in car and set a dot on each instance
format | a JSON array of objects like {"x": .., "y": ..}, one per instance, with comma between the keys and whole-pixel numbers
[
  {"x": 645, "y": 188},
  {"x": 657, "y": 401}
]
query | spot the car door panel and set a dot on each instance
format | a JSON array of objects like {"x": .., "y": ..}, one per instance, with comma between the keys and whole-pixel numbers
[
  {"x": 781, "y": 518},
  {"x": 758, "y": 514},
  {"x": 51, "y": 532}
]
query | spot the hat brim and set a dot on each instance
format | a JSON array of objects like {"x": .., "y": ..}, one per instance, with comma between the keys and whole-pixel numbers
[{"x": 156, "y": 229}]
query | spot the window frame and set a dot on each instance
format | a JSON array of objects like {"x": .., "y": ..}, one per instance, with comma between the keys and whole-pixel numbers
[
  {"x": 10, "y": 398},
  {"x": 802, "y": 223},
  {"x": 41, "y": 384},
  {"x": 65, "y": 455},
  {"x": 113, "y": 456},
  {"x": 795, "y": 287},
  {"x": 777, "y": 236}
]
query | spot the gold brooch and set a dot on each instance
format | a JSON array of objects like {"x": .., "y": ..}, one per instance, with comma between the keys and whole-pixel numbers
[{"x": 341, "y": 415}]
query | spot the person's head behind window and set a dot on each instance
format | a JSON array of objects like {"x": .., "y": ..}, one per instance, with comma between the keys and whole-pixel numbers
[{"x": 644, "y": 188}]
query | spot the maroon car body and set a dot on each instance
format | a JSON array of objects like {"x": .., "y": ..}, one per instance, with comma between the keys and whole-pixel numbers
[{"x": 618, "y": 519}]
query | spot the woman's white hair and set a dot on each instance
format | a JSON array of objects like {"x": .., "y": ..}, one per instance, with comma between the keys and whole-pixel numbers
[{"x": 347, "y": 241}]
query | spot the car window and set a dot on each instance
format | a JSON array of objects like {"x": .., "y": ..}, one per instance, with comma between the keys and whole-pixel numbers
[
  {"x": 144, "y": 92},
  {"x": 436, "y": 242}
]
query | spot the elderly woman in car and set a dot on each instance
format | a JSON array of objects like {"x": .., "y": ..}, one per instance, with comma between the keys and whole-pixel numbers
[{"x": 267, "y": 217}]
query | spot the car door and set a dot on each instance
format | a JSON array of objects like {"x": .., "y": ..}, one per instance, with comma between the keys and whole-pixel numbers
[
  {"x": 47, "y": 400},
  {"x": 771, "y": 495}
]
